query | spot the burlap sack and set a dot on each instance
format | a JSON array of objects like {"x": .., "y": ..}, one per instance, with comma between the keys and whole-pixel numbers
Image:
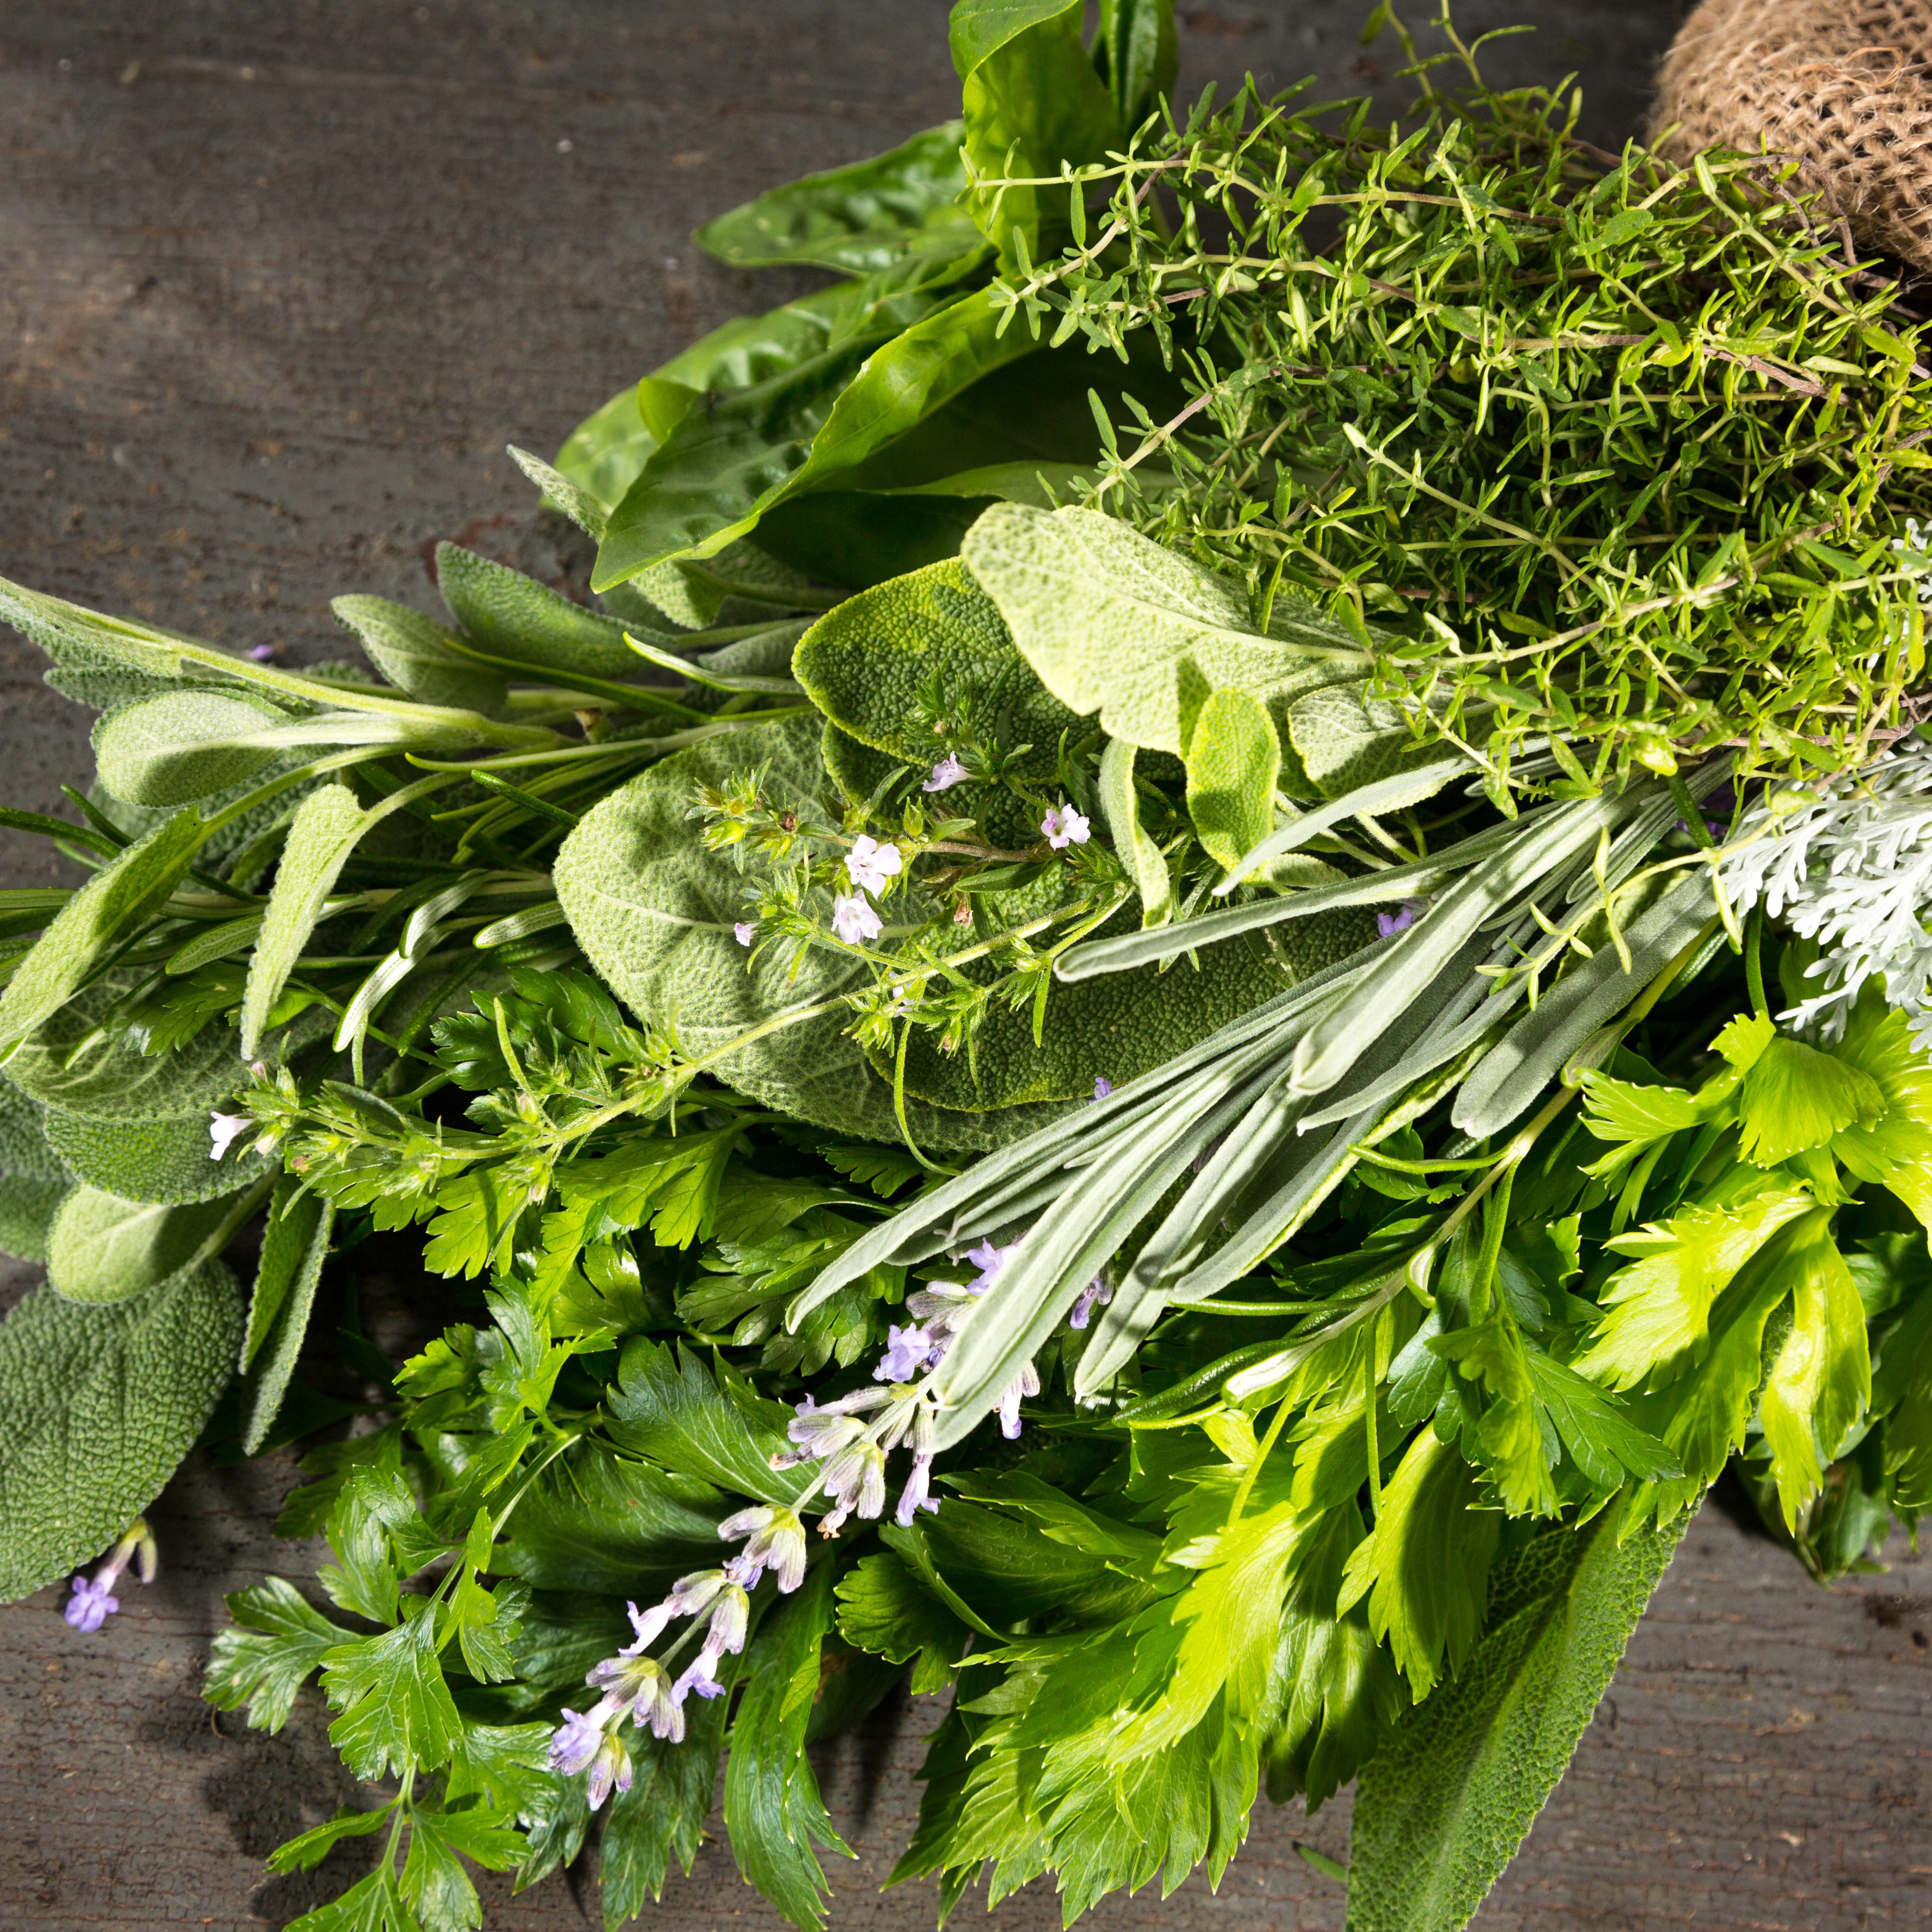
[{"x": 1846, "y": 83}]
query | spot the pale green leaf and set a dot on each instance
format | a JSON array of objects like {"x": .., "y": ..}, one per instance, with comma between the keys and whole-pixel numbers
[
  {"x": 182, "y": 745},
  {"x": 102, "y": 1249},
  {"x": 1234, "y": 761},
  {"x": 418, "y": 655},
  {"x": 1115, "y": 623},
  {"x": 327, "y": 826}
]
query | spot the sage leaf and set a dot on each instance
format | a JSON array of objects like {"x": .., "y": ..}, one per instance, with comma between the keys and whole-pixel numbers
[
  {"x": 97, "y": 1404},
  {"x": 25, "y": 1152},
  {"x": 327, "y": 826},
  {"x": 120, "y": 894},
  {"x": 27, "y": 1210},
  {"x": 653, "y": 910},
  {"x": 1115, "y": 623},
  {"x": 1234, "y": 761},
  {"x": 511, "y": 615},
  {"x": 101, "y": 1249},
  {"x": 866, "y": 215},
  {"x": 865, "y": 663},
  {"x": 773, "y": 1810},
  {"x": 415, "y": 653},
  {"x": 1345, "y": 739},
  {"x": 1442, "y": 1806},
  {"x": 181, "y": 746},
  {"x": 295, "y": 1243},
  {"x": 167, "y": 1161}
]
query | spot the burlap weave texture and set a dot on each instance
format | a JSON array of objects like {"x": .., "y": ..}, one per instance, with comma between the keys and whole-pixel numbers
[{"x": 1847, "y": 84}]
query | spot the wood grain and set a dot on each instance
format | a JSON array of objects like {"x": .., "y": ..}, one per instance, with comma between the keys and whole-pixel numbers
[{"x": 281, "y": 284}]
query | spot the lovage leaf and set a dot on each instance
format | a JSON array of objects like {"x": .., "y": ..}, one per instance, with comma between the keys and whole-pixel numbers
[
  {"x": 397, "y": 1711},
  {"x": 884, "y": 1609},
  {"x": 278, "y": 1641},
  {"x": 1425, "y": 1565},
  {"x": 772, "y": 1809},
  {"x": 1796, "y": 1097}
]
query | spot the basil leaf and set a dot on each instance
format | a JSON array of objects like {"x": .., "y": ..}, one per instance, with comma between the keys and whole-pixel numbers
[{"x": 862, "y": 216}]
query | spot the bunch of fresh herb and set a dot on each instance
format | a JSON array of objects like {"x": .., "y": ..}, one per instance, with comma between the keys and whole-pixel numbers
[{"x": 1081, "y": 776}]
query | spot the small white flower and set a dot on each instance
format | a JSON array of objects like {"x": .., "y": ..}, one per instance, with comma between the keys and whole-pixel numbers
[
  {"x": 869, "y": 865},
  {"x": 224, "y": 1130},
  {"x": 744, "y": 932},
  {"x": 947, "y": 773},
  {"x": 1064, "y": 826},
  {"x": 853, "y": 919}
]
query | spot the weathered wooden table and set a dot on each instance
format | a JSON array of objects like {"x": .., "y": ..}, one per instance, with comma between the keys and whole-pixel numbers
[{"x": 280, "y": 283}]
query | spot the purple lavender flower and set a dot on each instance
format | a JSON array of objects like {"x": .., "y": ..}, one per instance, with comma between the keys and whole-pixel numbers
[
  {"x": 907, "y": 1350},
  {"x": 575, "y": 1741},
  {"x": 777, "y": 1542},
  {"x": 1026, "y": 1383},
  {"x": 1096, "y": 1294},
  {"x": 611, "y": 1766},
  {"x": 855, "y": 1480},
  {"x": 265, "y": 653},
  {"x": 988, "y": 1260},
  {"x": 1388, "y": 924},
  {"x": 917, "y": 1495},
  {"x": 90, "y": 1605},
  {"x": 697, "y": 1678},
  {"x": 744, "y": 932},
  {"x": 947, "y": 773},
  {"x": 1102, "y": 1087}
]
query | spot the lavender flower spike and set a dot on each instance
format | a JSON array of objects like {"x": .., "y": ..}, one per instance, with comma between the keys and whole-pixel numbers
[
  {"x": 907, "y": 1350},
  {"x": 1026, "y": 1383},
  {"x": 611, "y": 1766},
  {"x": 90, "y": 1606},
  {"x": 777, "y": 1543},
  {"x": 988, "y": 1260},
  {"x": 917, "y": 1494},
  {"x": 855, "y": 1479},
  {"x": 1388, "y": 924},
  {"x": 1096, "y": 1294},
  {"x": 575, "y": 1741},
  {"x": 1102, "y": 1087},
  {"x": 697, "y": 1678}
]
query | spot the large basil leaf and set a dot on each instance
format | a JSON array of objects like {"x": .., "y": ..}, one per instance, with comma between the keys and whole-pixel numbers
[
  {"x": 860, "y": 217},
  {"x": 603, "y": 453},
  {"x": 97, "y": 1404},
  {"x": 1442, "y": 1806},
  {"x": 654, "y": 911},
  {"x": 1137, "y": 55},
  {"x": 1032, "y": 100},
  {"x": 723, "y": 467},
  {"x": 1117, "y": 624}
]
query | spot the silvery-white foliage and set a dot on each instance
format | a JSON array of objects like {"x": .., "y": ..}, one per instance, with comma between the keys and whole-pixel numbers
[{"x": 1853, "y": 870}]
